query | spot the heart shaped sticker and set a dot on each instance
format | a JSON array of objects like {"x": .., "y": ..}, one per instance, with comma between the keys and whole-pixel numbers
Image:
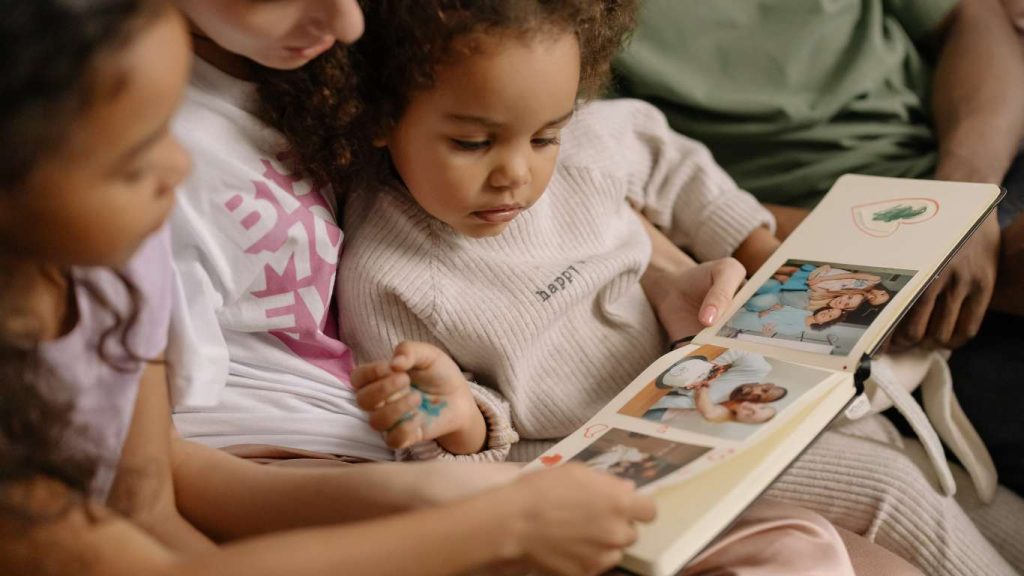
[
  {"x": 594, "y": 430},
  {"x": 883, "y": 219},
  {"x": 551, "y": 459}
]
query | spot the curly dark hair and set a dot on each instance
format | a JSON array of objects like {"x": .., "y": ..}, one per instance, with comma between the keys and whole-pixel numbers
[
  {"x": 331, "y": 110},
  {"x": 52, "y": 52},
  {"x": 827, "y": 323},
  {"x": 313, "y": 107}
]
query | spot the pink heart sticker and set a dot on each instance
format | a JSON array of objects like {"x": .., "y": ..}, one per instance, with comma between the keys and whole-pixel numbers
[{"x": 551, "y": 459}]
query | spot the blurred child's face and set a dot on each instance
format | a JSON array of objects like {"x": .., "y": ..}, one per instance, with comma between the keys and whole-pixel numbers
[
  {"x": 751, "y": 413},
  {"x": 847, "y": 301},
  {"x": 479, "y": 148},
  {"x": 827, "y": 315},
  {"x": 281, "y": 34},
  {"x": 110, "y": 183}
]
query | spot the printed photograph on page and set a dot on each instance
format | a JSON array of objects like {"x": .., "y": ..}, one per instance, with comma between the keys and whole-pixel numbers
[
  {"x": 638, "y": 457},
  {"x": 816, "y": 306},
  {"x": 723, "y": 393}
]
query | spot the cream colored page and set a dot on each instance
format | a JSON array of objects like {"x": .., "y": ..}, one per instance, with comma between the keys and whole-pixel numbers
[
  {"x": 692, "y": 513},
  {"x": 885, "y": 226},
  {"x": 653, "y": 434}
]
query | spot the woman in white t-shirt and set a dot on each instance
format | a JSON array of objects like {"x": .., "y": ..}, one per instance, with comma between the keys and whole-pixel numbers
[{"x": 259, "y": 368}]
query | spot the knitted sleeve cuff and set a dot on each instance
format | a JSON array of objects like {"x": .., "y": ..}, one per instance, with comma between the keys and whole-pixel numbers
[
  {"x": 726, "y": 223},
  {"x": 500, "y": 433}
]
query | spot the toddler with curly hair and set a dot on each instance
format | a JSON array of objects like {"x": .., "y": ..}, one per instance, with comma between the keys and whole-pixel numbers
[{"x": 491, "y": 227}]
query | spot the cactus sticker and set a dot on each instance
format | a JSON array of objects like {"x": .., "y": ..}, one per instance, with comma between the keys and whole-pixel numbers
[
  {"x": 899, "y": 212},
  {"x": 883, "y": 219}
]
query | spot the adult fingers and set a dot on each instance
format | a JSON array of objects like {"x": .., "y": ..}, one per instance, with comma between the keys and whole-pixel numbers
[
  {"x": 972, "y": 314},
  {"x": 947, "y": 311},
  {"x": 727, "y": 275},
  {"x": 914, "y": 326}
]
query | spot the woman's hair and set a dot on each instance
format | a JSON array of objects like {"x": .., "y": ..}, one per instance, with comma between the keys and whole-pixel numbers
[
  {"x": 815, "y": 325},
  {"x": 879, "y": 288},
  {"x": 52, "y": 52},
  {"x": 313, "y": 108},
  {"x": 866, "y": 313},
  {"x": 332, "y": 109}
]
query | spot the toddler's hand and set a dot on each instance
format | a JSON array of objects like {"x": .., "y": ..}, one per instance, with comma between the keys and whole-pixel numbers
[{"x": 420, "y": 394}]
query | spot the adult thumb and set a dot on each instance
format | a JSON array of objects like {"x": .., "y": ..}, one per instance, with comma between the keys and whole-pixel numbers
[{"x": 726, "y": 277}]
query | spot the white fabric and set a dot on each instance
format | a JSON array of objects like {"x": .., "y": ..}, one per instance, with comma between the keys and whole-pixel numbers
[
  {"x": 255, "y": 353},
  {"x": 743, "y": 368},
  {"x": 864, "y": 477},
  {"x": 894, "y": 377}
]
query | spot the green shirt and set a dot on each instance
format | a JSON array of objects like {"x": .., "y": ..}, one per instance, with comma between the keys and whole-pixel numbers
[{"x": 790, "y": 94}]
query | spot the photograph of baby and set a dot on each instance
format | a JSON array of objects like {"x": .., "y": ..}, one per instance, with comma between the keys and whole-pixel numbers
[
  {"x": 816, "y": 306},
  {"x": 724, "y": 393},
  {"x": 637, "y": 457}
]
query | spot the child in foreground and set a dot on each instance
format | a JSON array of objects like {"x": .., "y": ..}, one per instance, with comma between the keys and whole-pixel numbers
[
  {"x": 519, "y": 260},
  {"x": 93, "y": 479}
]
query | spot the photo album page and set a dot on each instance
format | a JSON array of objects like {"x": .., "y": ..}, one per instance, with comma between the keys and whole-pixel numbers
[
  {"x": 713, "y": 423},
  {"x": 852, "y": 269},
  {"x": 691, "y": 409}
]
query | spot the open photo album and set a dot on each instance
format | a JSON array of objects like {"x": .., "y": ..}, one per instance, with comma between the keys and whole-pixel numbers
[{"x": 708, "y": 427}]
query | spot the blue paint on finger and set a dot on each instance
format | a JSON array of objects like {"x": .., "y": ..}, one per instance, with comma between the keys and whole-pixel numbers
[{"x": 430, "y": 407}]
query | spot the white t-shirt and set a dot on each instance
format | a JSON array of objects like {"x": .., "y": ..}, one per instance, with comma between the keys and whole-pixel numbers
[
  {"x": 744, "y": 368},
  {"x": 255, "y": 353}
]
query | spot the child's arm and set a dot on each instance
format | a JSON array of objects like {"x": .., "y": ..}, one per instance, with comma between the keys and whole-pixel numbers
[
  {"x": 142, "y": 489},
  {"x": 756, "y": 248},
  {"x": 709, "y": 410},
  {"x": 160, "y": 477},
  {"x": 568, "y": 520},
  {"x": 818, "y": 272},
  {"x": 673, "y": 180},
  {"x": 421, "y": 394},
  {"x": 376, "y": 320}
]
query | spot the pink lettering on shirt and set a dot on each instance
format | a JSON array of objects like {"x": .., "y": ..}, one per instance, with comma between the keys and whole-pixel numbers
[{"x": 295, "y": 225}]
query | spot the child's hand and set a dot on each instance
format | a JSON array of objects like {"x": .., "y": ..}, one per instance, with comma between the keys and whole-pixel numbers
[
  {"x": 768, "y": 329},
  {"x": 420, "y": 394},
  {"x": 572, "y": 520}
]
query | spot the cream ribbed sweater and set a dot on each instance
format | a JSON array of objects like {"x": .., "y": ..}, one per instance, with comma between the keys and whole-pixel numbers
[
  {"x": 550, "y": 314},
  {"x": 559, "y": 358}
]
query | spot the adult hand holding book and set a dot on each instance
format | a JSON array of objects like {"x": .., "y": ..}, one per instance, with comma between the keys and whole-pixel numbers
[{"x": 777, "y": 365}]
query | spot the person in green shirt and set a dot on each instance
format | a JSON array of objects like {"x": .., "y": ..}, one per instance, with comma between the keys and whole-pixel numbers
[{"x": 790, "y": 94}]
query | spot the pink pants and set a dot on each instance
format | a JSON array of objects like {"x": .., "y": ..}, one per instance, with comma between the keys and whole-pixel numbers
[{"x": 774, "y": 539}]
